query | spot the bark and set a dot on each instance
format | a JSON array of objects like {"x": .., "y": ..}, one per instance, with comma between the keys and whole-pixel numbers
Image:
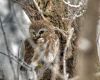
[{"x": 87, "y": 42}]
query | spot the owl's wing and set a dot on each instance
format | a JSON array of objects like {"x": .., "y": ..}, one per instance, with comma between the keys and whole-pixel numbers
[{"x": 52, "y": 50}]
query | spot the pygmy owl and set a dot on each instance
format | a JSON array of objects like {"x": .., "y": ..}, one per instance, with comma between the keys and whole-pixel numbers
[{"x": 47, "y": 42}]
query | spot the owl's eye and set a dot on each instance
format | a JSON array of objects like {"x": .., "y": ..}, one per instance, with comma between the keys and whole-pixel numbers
[
  {"x": 41, "y": 32},
  {"x": 32, "y": 32}
]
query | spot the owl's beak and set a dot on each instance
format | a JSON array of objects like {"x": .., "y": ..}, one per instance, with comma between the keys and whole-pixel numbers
[{"x": 37, "y": 35}]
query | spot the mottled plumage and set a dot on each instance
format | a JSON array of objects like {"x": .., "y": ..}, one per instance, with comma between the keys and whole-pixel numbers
[{"x": 47, "y": 42}]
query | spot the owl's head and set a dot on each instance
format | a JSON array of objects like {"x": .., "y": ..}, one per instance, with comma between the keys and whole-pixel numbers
[{"x": 40, "y": 30}]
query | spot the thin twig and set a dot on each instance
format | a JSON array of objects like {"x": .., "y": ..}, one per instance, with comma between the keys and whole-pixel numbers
[
  {"x": 38, "y": 8},
  {"x": 71, "y": 5},
  {"x": 65, "y": 50}
]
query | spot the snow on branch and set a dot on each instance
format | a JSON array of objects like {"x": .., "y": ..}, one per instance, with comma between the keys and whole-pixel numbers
[
  {"x": 71, "y": 5},
  {"x": 76, "y": 10}
]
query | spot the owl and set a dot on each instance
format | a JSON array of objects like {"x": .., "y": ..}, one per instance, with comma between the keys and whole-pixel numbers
[{"x": 46, "y": 40}]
